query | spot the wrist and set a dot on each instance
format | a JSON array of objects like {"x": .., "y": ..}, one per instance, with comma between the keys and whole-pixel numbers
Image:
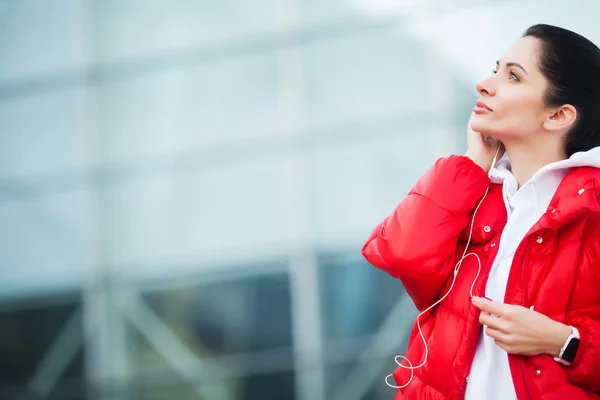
[
  {"x": 558, "y": 338},
  {"x": 477, "y": 160}
]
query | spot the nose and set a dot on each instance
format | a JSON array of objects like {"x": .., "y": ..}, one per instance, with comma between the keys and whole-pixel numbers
[{"x": 486, "y": 87}]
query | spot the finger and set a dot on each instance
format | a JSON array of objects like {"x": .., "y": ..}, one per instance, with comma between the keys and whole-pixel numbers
[
  {"x": 489, "y": 320},
  {"x": 499, "y": 336},
  {"x": 489, "y": 306},
  {"x": 494, "y": 322},
  {"x": 501, "y": 340},
  {"x": 506, "y": 347}
]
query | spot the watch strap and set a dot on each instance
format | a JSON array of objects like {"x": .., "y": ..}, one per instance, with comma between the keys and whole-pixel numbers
[{"x": 569, "y": 349}]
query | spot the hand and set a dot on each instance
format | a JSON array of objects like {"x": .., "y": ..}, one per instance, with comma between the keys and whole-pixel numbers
[
  {"x": 482, "y": 148},
  {"x": 519, "y": 330}
]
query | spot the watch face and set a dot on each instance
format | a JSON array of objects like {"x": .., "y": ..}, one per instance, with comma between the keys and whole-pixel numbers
[{"x": 571, "y": 350}]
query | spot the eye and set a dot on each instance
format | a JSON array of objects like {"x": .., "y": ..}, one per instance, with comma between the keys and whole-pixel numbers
[{"x": 512, "y": 75}]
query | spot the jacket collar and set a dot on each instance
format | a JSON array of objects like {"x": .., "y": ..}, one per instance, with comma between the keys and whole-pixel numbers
[{"x": 577, "y": 195}]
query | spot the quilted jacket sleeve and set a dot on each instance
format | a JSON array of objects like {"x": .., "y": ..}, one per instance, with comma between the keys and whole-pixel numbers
[
  {"x": 417, "y": 242},
  {"x": 585, "y": 370}
]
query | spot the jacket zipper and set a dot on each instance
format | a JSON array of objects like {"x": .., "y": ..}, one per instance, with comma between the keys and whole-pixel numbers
[{"x": 523, "y": 299}]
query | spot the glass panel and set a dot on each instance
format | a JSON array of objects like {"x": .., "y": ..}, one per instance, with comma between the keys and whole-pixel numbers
[
  {"x": 191, "y": 110},
  {"x": 220, "y": 216},
  {"x": 279, "y": 385},
  {"x": 45, "y": 243},
  {"x": 40, "y": 37},
  {"x": 146, "y": 27},
  {"x": 43, "y": 134},
  {"x": 29, "y": 330},
  {"x": 228, "y": 317},
  {"x": 356, "y": 297},
  {"x": 371, "y": 74},
  {"x": 239, "y": 330}
]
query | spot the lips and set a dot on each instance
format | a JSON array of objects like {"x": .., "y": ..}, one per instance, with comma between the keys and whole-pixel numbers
[{"x": 481, "y": 104}]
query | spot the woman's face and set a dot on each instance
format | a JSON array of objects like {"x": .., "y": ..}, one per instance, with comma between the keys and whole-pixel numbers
[{"x": 511, "y": 106}]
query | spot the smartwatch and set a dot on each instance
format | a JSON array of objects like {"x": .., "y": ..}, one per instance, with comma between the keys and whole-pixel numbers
[{"x": 569, "y": 350}]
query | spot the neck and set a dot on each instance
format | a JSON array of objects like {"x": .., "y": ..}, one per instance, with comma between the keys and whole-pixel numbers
[{"x": 526, "y": 159}]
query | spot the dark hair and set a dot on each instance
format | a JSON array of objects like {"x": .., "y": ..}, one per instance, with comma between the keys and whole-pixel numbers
[{"x": 571, "y": 63}]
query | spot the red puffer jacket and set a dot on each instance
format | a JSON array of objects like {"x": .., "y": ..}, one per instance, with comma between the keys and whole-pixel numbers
[{"x": 556, "y": 269}]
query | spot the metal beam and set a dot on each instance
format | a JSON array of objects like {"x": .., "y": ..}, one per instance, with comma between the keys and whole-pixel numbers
[
  {"x": 303, "y": 265},
  {"x": 170, "y": 346},
  {"x": 98, "y": 312},
  {"x": 58, "y": 357}
]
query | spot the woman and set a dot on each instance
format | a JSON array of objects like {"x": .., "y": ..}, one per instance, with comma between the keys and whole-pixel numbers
[{"x": 532, "y": 223}]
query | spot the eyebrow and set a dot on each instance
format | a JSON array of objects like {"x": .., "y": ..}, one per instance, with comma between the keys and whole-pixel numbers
[{"x": 513, "y": 64}]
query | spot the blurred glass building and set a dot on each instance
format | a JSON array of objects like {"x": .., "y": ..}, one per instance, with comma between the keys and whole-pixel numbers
[{"x": 185, "y": 186}]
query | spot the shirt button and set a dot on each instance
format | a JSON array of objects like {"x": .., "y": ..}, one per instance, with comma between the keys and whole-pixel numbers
[
  {"x": 539, "y": 239},
  {"x": 487, "y": 229}
]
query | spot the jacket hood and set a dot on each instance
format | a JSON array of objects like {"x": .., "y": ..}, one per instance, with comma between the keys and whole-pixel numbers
[
  {"x": 590, "y": 158},
  {"x": 566, "y": 188}
]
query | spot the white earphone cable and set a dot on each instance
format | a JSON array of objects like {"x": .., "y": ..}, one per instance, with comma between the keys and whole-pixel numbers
[{"x": 456, "y": 270}]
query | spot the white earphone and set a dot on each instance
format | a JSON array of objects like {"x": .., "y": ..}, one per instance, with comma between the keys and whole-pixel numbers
[{"x": 456, "y": 269}]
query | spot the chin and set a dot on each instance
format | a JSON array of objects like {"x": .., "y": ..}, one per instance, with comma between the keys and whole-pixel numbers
[
  {"x": 484, "y": 127},
  {"x": 481, "y": 127}
]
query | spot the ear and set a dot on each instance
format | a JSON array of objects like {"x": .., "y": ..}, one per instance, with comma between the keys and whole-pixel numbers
[{"x": 561, "y": 118}]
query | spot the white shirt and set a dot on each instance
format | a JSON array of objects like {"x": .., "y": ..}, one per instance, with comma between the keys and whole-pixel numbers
[{"x": 490, "y": 377}]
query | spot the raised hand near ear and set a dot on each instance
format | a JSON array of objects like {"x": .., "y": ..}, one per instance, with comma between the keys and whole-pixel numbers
[{"x": 482, "y": 148}]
